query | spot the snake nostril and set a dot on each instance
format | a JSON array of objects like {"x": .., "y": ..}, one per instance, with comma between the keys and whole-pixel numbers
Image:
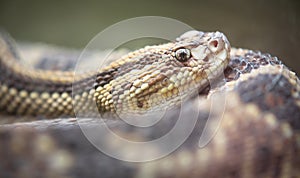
[{"x": 214, "y": 45}]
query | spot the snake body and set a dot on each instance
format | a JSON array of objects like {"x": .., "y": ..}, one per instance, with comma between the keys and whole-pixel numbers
[{"x": 257, "y": 137}]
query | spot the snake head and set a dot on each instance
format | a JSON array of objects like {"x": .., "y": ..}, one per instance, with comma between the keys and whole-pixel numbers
[
  {"x": 202, "y": 50},
  {"x": 199, "y": 57},
  {"x": 163, "y": 75},
  {"x": 193, "y": 61}
]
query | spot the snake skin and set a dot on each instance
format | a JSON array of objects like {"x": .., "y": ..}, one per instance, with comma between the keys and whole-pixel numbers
[{"x": 258, "y": 135}]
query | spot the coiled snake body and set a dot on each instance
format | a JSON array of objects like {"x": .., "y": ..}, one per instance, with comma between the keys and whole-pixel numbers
[{"x": 258, "y": 135}]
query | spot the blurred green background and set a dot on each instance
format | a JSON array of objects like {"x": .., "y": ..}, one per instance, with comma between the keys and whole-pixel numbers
[{"x": 267, "y": 25}]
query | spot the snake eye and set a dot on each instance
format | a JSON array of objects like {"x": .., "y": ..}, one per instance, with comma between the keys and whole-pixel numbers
[{"x": 182, "y": 54}]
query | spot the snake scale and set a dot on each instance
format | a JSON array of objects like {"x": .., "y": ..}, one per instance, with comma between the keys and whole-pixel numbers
[{"x": 258, "y": 135}]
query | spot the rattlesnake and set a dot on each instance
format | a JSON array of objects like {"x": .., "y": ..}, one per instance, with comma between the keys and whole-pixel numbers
[{"x": 258, "y": 102}]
